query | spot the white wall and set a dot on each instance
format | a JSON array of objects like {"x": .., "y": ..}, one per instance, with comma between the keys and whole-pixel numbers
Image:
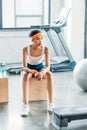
[
  {"x": 77, "y": 31},
  {"x": 11, "y": 44}
]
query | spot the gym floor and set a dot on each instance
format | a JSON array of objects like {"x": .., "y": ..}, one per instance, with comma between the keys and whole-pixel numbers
[{"x": 66, "y": 93}]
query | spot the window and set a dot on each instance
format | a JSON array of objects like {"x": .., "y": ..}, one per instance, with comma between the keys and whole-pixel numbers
[{"x": 24, "y": 13}]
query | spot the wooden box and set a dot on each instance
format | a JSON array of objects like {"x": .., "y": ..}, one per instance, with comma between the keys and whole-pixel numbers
[
  {"x": 3, "y": 90},
  {"x": 37, "y": 89}
]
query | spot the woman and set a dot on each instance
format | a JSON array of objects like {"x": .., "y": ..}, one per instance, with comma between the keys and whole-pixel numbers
[{"x": 33, "y": 66}]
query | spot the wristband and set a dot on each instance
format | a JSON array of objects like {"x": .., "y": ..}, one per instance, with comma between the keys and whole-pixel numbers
[{"x": 33, "y": 71}]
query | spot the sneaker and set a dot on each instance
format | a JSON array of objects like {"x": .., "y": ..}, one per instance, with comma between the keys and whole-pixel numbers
[
  {"x": 51, "y": 107},
  {"x": 25, "y": 110}
]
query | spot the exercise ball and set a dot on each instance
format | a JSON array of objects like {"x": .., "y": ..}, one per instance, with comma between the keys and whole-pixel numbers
[{"x": 80, "y": 74}]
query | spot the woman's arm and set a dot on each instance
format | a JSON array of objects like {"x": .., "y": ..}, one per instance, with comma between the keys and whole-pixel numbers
[
  {"x": 47, "y": 61},
  {"x": 25, "y": 62},
  {"x": 47, "y": 58},
  {"x": 25, "y": 57}
]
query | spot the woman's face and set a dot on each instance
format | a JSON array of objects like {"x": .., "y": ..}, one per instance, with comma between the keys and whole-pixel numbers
[{"x": 37, "y": 41}]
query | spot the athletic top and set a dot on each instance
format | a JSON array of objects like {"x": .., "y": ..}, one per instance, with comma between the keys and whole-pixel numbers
[{"x": 35, "y": 60}]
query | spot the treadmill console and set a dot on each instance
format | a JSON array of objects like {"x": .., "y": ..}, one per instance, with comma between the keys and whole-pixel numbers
[{"x": 61, "y": 21}]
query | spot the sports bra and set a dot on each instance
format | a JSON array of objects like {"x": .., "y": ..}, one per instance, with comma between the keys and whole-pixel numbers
[{"x": 35, "y": 60}]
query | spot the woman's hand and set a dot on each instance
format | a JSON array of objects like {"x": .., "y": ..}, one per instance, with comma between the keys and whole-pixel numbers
[
  {"x": 39, "y": 75},
  {"x": 27, "y": 70}
]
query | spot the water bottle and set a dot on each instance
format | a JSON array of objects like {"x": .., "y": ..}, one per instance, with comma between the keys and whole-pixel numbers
[
  {"x": 0, "y": 72},
  {"x": 4, "y": 74}
]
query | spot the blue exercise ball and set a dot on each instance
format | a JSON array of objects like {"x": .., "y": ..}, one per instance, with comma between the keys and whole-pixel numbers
[{"x": 80, "y": 74}]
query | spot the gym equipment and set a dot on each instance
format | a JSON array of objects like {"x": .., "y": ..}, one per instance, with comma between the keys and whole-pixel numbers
[
  {"x": 64, "y": 115},
  {"x": 58, "y": 63},
  {"x": 80, "y": 74},
  {"x": 14, "y": 68}
]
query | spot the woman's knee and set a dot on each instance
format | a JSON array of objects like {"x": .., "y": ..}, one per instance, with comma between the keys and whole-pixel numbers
[
  {"x": 29, "y": 75},
  {"x": 26, "y": 77},
  {"x": 49, "y": 75}
]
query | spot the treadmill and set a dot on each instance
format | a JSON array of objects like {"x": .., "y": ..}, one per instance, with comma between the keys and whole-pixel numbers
[{"x": 60, "y": 63}]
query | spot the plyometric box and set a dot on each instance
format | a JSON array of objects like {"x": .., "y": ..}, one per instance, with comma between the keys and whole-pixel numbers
[
  {"x": 3, "y": 90},
  {"x": 37, "y": 89}
]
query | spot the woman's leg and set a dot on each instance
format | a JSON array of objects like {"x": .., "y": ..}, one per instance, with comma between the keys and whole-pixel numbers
[
  {"x": 50, "y": 86},
  {"x": 24, "y": 78},
  {"x": 51, "y": 106},
  {"x": 25, "y": 85}
]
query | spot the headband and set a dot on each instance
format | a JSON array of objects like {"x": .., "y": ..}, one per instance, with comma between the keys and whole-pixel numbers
[{"x": 36, "y": 35}]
